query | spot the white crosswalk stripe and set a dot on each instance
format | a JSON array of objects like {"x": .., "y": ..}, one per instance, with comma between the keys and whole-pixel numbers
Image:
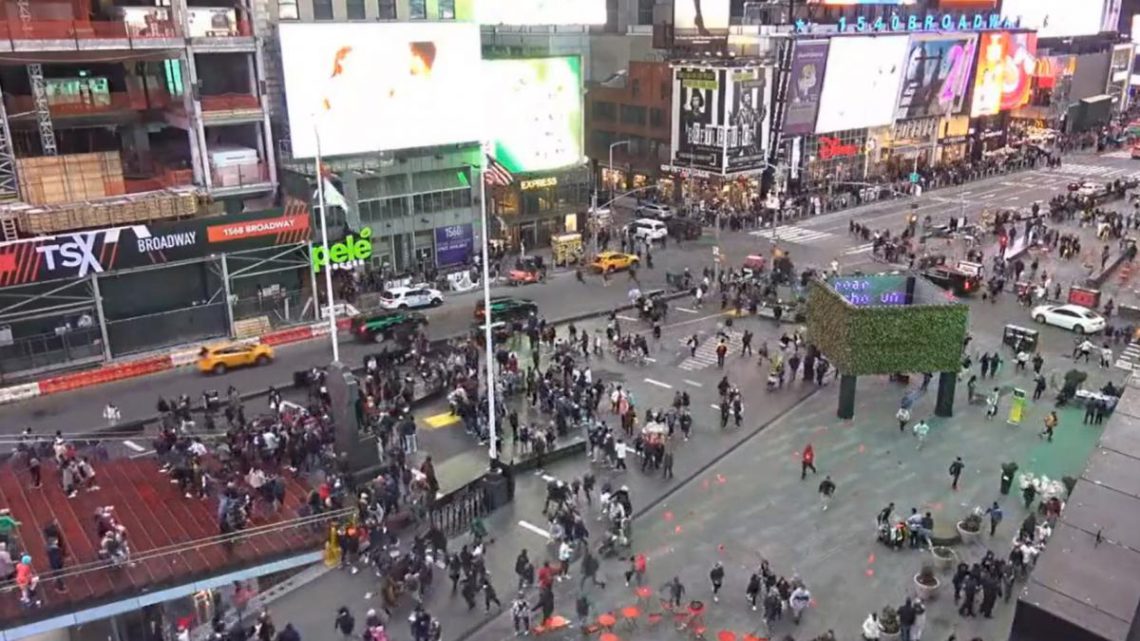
[
  {"x": 1127, "y": 359},
  {"x": 706, "y": 352},
  {"x": 1123, "y": 153},
  {"x": 1096, "y": 171},
  {"x": 792, "y": 234},
  {"x": 861, "y": 249}
]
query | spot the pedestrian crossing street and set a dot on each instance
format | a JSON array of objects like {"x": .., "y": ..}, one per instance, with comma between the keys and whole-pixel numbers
[
  {"x": 793, "y": 234},
  {"x": 706, "y": 351},
  {"x": 1127, "y": 360}
]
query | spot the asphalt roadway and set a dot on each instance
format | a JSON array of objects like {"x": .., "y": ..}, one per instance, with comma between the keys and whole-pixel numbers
[{"x": 812, "y": 242}]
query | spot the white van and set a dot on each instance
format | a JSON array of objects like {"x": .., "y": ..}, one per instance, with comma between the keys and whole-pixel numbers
[{"x": 648, "y": 229}]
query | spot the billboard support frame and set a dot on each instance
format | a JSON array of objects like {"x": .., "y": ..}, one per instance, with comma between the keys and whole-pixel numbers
[{"x": 97, "y": 295}]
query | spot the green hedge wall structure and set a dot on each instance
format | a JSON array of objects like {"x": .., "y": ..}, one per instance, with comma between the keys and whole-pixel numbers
[{"x": 874, "y": 339}]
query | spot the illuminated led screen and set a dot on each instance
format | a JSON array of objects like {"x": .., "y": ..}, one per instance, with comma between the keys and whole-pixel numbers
[{"x": 535, "y": 112}]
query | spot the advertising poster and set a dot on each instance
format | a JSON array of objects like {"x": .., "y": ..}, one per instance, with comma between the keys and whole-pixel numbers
[
  {"x": 454, "y": 244},
  {"x": 530, "y": 12},
  {"x": 1057, "y": 18},
  {"x": 862, "y": 82},
  {"x": 212, "y": 22},
  {"x": 1004, "y": 77},
  {"x": 808, "y": 63},
  {"x": 700, "y": 19},
  {"x": 379, "y": 86},
  {"x": 698, "y": 106},
  {"x": 80, "y": 254},
  {"x": 535, "y": 112},
  {"x": 937, "y": 75},
  {"x": 747, "y": 119}
]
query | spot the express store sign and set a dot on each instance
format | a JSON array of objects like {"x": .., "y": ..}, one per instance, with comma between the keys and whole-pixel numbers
[{"x": 80, "y": 254}]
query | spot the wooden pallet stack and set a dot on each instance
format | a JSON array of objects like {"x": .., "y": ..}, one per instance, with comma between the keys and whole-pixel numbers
[
  {"x": 109, "y": 212},
  {"x": 53, "y": 180}
]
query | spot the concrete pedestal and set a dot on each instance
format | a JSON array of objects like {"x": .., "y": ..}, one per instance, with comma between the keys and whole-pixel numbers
[
  {"x": 947, "y": 383},
  {"x": 846, "y": 396},
  {"x": 344, "y": 390}
]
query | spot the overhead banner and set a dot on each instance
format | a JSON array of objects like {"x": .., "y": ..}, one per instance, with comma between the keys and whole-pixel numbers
[
  {"x": 937, "y": 75},
  {"x": 700, "y": 20},
  {"x": 809, "y": 60},
  {"x": 81, "y": 254},
  {"x": 747, "y": 100},
  {"x": 698, "y": 109}
]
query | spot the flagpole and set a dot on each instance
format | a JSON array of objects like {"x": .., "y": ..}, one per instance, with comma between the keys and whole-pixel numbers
[
  {"x": 493, "y": 450},
  {"x": 325, "y": 244}
]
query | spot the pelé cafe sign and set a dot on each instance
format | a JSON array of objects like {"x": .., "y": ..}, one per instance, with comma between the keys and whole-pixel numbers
[{"x": 348, "y": 253}]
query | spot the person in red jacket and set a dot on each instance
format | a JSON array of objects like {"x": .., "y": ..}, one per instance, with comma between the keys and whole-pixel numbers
[
  {"x": 807, "y": 462},
  {"x": 546, "y": 576}
]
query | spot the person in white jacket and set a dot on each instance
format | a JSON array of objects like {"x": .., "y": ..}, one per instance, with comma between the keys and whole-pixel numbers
[
  {"x": 872, "y": 629},
  {"x": 799, "y": 601}
]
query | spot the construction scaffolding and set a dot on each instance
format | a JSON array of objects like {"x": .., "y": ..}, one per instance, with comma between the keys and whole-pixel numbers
[{"x": 39, "y": 92}]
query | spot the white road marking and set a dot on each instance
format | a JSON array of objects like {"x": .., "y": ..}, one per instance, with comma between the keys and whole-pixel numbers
[
  {"x": 791, "y": 234},
  {"x": 134, "y": 446},
  {"x": 715, "y": 406},
  {"x": 687, "y": 310},
  {"x": 650, "y": 360},
  {"x": 534, "y": 528},
  {"x": 658, "y": 383},
  {"x": 861, "y": 249},
  {"x": 627, "y": 318},
  {"x": 693, "y": 383}
]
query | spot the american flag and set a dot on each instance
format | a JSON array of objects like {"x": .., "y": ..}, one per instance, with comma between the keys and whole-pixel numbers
[{"x": 494, "y": 173}]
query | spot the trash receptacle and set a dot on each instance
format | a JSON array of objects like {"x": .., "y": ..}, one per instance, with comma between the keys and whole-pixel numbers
[{"x": 495, "y": 489}]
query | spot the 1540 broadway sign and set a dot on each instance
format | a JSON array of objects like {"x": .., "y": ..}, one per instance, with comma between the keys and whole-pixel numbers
[{"x": 80, "y": 254}]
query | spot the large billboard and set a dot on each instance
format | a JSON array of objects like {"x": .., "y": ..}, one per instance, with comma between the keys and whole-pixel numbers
[
  {"x": 808, "y": 63},
  {"x": 937, "y": 76},
  {"x": 81, "y": 254},
  {"x": 699, "y": 19},
  {"x": 862, "y": 82},
  {"x": 378, "y": 86},
  {"x": 1056, "y": 18},
  {"x": 698, "y": 111},
  {"x": 534, "y": 109},
  {"x": 531, "y": 12},
  {"x": 1003, "y": 79},
  {"x": 747, "y": 101}
]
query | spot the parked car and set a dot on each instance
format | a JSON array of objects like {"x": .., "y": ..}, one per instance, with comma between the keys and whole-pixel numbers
[
  {"x": 410, "y": 297},
  {"x": 373, "y": 328},
  {"x": 218, "y": 359},
  {"x": 507, "y": 308},
  {"x": 648, "y": 229},
  {"x": 1075, "y": 318}
]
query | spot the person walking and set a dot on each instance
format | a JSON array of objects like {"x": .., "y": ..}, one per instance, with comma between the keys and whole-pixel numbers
[
  {"x": 676, "y": 592},
  {"x": 995, "y": 515},
  {"x": 826, "y": 491},
  {"x": 716, "y": 577},
  {"x": 489, "y": 595},
  {"x": 906, "y": 620},
  {"x": 752, "y": 592},
  {"x": 637, "y": 566},
  {"x": 1050, "y": 425},
  {"x": 919, "y": 620},
  {"x": 799, "y": 601},
  {"x": 956, "y": 472},
  {"x": 992, "y": 402},
  {"x": 903, "y": 417},
  {"x": 520, "y": 615},
  {"x": 344, "y": 623},
  {"x": 807, "y": 462},
  {"x": 590, "y": 568}
]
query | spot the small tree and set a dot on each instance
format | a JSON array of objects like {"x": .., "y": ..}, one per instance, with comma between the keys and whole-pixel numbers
[{"x": 889, "y": 620}]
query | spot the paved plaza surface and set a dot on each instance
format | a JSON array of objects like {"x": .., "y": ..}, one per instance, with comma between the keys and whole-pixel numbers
[{"x": 740, "y": 489}]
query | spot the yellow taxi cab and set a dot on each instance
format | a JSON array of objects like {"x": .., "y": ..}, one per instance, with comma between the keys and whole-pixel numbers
[
  {"x": 217, "y": 359},
  {"x": 613, "y": 261}
]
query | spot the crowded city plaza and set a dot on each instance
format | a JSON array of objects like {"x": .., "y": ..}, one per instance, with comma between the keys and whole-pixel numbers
[{"x": 803, "y": 322}]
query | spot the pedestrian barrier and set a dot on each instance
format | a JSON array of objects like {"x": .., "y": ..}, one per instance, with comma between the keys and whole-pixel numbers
[
  {"x": 284, "y": 337},
  {"x": 454, "y": 513}
]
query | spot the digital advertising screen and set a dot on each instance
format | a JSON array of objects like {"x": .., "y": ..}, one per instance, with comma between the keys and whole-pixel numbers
[
  {"x": 698, "y": 19},
  {"x": 534, "y": 112},
  {"x": 862, "y": 82},
  {"x": 531, "y": 12},
  {"x": 936, "y": 77},
  {"x": 698, "y": 118},
  {"x": 1003, "y": 79},
  {"x": 853, "y": 3},
  {"x": 372, "y": 87},
  {"x": 809, "y": 60},
  {"x": 1057, "y": 18},
  {"x": 874, "y": 289}
]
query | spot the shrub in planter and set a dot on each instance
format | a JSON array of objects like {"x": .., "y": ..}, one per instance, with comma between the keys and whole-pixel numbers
[
  {"x": 926, "y": 582},
  {"x": 889, "y": 620},
  {"x": 944, "y": 557},
  {"x": 972, "y": 523}
]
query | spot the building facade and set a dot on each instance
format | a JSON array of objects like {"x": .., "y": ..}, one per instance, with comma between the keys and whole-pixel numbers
[{"x": 630, "y": 115}]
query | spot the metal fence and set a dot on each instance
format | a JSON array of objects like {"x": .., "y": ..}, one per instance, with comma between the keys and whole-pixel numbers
[
  {"x": 164, "y": 329},
  {"x": 282, "y": 310},
  {"x": 454, "y": 513},
  {"x": 45, "y": 351}
]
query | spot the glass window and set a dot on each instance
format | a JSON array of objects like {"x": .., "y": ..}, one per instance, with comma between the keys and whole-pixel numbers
[
  {"x": 387, "y": 10},
  {"x": 287, "y": 10},
  {"x": 355, "y": 9},
  {"x": 447, "y": 9},
  {"x": 604, "y": 111},
  {"x": 417, "y": 10},
  {"x": 656, "y": 118},
  {"x": 632, "y": 115},
  {"x": 645, "y": 11},
  {"x": 322, "y": 10},
  {"x": 635, "y": 87}
]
